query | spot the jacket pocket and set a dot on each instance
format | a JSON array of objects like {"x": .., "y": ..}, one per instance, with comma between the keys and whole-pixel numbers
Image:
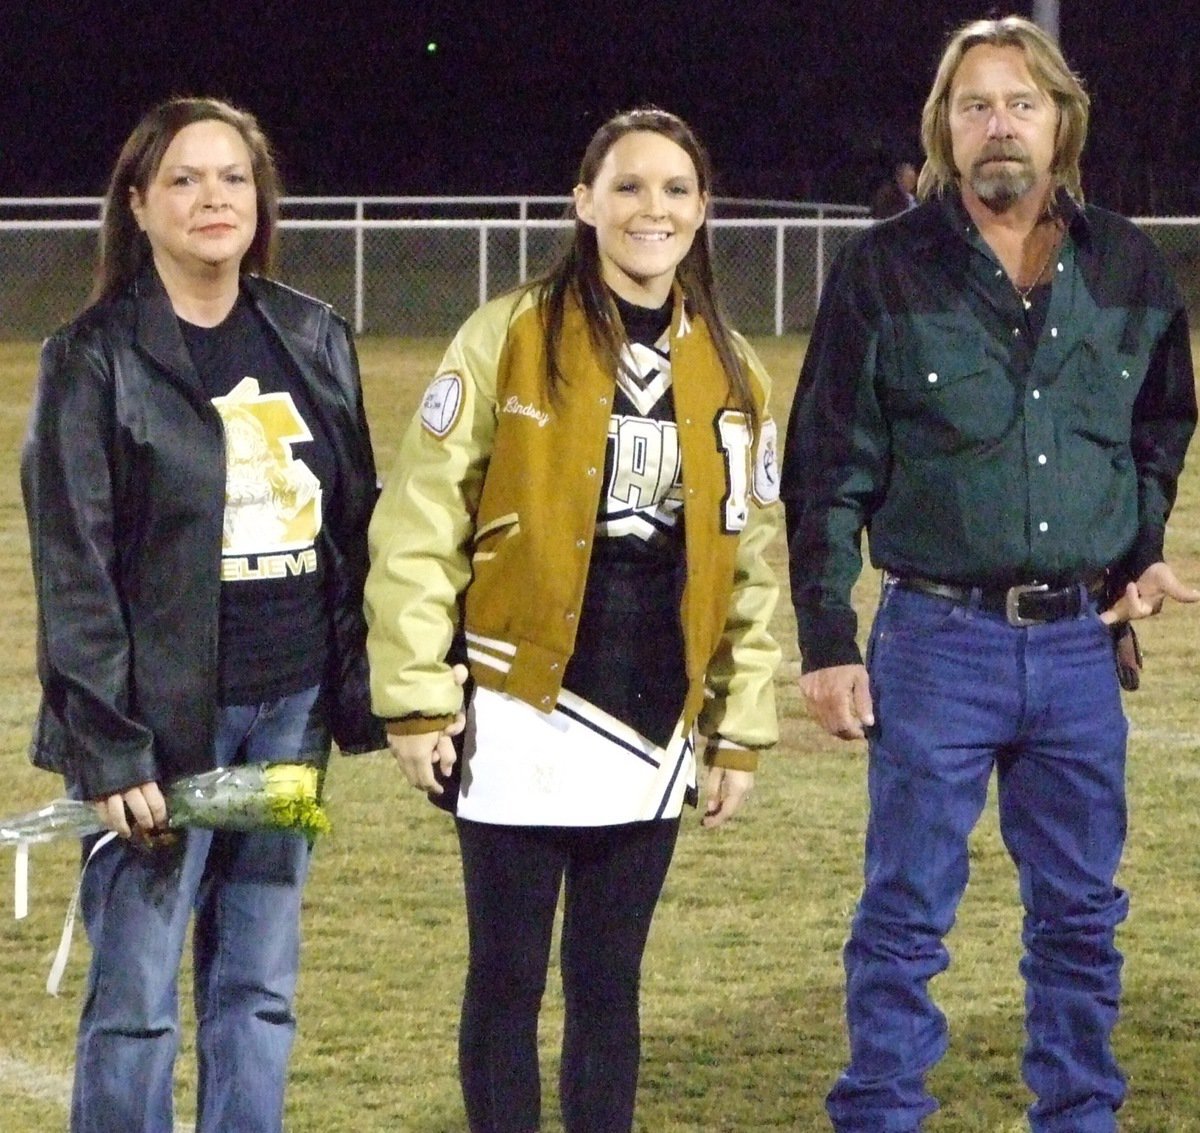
[{"x": 490, "y": 537}]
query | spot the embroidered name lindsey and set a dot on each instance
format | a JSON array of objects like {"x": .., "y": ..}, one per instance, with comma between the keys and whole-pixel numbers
[
  {"x": 512, "y": 405},
  {"x": 269, "y": 566}
]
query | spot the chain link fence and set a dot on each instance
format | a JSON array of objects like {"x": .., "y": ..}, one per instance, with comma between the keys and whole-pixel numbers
[{"x": 419, "y": 266}]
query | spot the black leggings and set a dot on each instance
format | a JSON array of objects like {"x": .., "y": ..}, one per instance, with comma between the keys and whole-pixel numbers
[{"x": 512, "y": 874}]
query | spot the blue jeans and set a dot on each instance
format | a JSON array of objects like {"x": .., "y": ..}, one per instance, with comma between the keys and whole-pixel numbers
[
  {"x": 244, "y": 890},
  {"x": 957, "y": 692}
]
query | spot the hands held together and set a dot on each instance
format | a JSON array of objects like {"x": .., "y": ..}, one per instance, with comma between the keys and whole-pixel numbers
[{"x": 419, "y": 754}]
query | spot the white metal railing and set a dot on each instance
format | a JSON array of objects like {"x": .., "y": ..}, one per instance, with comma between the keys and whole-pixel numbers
[
  {"x": 820, "y": 218},
  {"x": 359, "y": 221},
  {"x": 522, "y": 227},
  {"x": 521, "y": 203}
]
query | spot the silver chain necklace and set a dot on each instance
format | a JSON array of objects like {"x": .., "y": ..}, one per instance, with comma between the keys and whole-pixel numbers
[{"x": 1025, "y": 292}]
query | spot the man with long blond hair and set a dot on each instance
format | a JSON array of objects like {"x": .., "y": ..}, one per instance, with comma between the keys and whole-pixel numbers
[{"x": 999, "y": 391}]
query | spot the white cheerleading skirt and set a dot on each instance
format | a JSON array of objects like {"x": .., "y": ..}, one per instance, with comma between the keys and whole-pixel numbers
[{"x": 573, "y": 766}]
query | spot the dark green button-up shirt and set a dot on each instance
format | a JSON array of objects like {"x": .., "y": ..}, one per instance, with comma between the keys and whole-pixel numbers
[{"x": 973, "y": 445}]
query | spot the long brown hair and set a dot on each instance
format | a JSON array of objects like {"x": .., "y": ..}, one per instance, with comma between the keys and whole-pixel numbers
[
  {"x": 124, "y": 248},
  {"x": 1050, "y": 72},
  {"x": 577, "y": 271}
]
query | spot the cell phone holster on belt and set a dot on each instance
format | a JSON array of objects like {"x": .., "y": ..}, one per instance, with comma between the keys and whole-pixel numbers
[{"x": 1128, "y": 655}]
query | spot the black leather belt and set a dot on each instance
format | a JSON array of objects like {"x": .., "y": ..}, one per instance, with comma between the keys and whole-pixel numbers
[{"x": 1027, "y": 604}]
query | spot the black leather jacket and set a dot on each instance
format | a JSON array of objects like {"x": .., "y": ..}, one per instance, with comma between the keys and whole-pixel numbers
[{"x": 123, "y": 474}]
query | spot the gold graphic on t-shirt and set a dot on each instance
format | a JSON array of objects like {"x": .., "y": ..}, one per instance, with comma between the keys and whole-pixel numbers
[
  {"x": 239, "y": 568},
  {"x": 272, "y": 500}
]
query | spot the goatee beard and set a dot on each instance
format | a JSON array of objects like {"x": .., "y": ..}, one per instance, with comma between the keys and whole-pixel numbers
[{"x": 1001, "y": 189}]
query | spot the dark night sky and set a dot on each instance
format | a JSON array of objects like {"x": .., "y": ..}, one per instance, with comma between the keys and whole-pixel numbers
[{"x": 808, "y": 98}]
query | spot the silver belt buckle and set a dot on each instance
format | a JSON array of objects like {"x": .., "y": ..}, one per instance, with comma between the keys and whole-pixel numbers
[{"x": 1012, "y": 603}]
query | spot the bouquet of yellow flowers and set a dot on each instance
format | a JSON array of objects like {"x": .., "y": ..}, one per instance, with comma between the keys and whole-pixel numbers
[
  {"x": 257, "y": 796},
  {"x": 251, "y": 796}
]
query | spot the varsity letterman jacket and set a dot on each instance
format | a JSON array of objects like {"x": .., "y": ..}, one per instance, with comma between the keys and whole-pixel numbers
[{"x": 486, "y": 525}]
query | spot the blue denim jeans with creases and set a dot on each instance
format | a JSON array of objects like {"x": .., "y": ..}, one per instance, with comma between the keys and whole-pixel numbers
[
  {"x": 244, "y": 890},
  {"x": 959, "y": 692}
]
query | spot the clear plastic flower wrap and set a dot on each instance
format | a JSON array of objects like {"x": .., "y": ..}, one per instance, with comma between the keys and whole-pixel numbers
[
  {"x": 61, "y": 818},
  {"x": 253, "y": 796}
]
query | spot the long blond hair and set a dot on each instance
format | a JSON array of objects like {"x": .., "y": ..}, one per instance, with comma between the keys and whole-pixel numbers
[{"x": 1050, "y": 72}]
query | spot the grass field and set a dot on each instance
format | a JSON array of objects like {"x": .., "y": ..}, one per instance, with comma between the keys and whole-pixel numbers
[{"x": 742, "y": 988}]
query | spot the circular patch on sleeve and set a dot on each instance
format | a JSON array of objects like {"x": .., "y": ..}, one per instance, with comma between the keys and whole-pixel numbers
[
  {"x": 442, "y": 404},
  {"x": 766, "y": 465}
]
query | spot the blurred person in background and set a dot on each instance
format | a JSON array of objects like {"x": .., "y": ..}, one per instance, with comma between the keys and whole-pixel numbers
[
  {"x": 999, "y": 390},
  {"x": 198, "y": 479},
  {"x": 896, "y": 194},
  {"x": 585, "y": 496}
]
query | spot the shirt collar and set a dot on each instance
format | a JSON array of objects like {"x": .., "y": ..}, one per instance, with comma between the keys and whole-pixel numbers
[{"x": 1065, "y": 205}]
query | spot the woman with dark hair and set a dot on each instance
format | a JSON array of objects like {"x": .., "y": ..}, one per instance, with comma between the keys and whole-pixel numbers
[
  {"x": 583, "y": 502},
  {"x": 198, "y": 479}
]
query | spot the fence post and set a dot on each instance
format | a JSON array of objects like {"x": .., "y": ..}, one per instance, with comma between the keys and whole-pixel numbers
[
  {"x": 483, "y": 263},
  {"x": 820, "y": 257},
  {"x": 779, "y": 238},
  {"x": 523, "y": 242},
  {"x": 359, "y": 272}
]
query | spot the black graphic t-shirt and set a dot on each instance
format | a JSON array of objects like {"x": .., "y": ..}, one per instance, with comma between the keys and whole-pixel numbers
[{"x": 274, "y": 623}]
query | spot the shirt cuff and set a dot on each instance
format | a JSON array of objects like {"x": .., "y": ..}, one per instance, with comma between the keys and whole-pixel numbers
[{"x": 828, "y": 637}]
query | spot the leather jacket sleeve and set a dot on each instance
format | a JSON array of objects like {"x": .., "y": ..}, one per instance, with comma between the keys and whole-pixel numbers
[
  {"x": 355, "y": 728},
  {"x": 87, "y": 729}
]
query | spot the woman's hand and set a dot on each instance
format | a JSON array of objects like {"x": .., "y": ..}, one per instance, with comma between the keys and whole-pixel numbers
[
  {"x": 138, "y": 812},
  {"x": 417, "y": 754},
  {"x": 725, "y": 790}
]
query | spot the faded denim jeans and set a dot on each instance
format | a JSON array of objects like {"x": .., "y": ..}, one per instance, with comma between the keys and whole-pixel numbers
[{"x": 244, "y": 891}]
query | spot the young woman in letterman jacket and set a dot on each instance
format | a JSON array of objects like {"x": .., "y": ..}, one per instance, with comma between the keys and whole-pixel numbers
[{"x": 584, "y": 498}]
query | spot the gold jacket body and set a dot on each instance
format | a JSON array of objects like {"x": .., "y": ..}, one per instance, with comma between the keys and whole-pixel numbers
[{"x": 490, "y": 512}]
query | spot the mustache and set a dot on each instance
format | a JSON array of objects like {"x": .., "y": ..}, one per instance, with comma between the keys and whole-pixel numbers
[{"x": 1001, "y": 151}]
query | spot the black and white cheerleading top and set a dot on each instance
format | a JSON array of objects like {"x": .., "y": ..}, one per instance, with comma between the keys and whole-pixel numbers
[{"x": 611, "y": 751}]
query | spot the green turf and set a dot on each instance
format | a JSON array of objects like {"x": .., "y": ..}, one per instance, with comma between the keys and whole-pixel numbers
[{"x": 742, "y": 984}]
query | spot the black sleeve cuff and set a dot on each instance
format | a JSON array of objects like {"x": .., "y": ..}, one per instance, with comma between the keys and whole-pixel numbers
[{"x": 828, "y": 637}]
